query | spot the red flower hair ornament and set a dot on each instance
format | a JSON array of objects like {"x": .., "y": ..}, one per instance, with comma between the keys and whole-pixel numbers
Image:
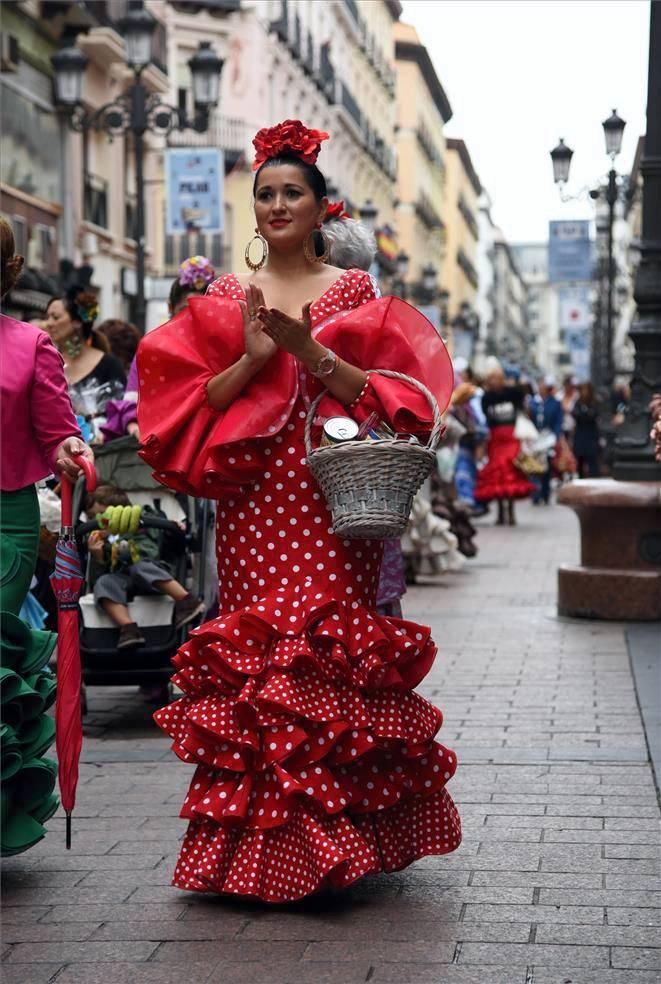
[
  {"x": 336, "y": 210},
  {"x": 289, "y": 137}
]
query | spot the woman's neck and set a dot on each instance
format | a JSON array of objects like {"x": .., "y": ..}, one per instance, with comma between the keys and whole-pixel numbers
[{"x": 293, "y": 264}]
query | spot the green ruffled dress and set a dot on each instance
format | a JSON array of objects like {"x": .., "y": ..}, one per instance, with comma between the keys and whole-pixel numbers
[{"x": 27, "y": 686}]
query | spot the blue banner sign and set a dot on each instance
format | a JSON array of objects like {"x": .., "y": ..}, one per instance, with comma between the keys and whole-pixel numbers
[
  {"x": 194, "y": 184},
  {"x": 570, "y": 251}
]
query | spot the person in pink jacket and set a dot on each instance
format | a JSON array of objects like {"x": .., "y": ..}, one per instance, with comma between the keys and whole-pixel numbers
[{"x": 39, "y": 436}]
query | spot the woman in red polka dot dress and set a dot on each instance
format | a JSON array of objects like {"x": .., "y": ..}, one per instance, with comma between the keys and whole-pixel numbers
[{"x": 316, "y": 761}]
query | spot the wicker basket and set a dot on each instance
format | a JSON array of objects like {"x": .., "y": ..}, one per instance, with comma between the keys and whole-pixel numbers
[{"x": 369, "y": 485}]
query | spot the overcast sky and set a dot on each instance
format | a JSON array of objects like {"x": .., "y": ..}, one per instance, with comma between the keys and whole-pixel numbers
[{"x": 519, "y": 74}]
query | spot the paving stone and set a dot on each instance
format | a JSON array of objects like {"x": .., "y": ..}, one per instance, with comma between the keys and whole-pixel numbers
[
  {"x": 23, "y": 914},
  {"x": 164, "y": 930},
  {"x": 537, "y": 879},
  {"x": 291, "y": 972},
  {"x": 48, "y": 932},
  {"x": 579, "y": 975},
  {"x": 333, "y": 953},
  {"x": 397, "y": 973},
  {"x": 625, "y": 916},
  {"x": 633, "y": 936},
  {"x": 636, "y": 958},
  {"x": 513, "y": 954},
  {"x": 225, "y": 952},
  {"x": 126, "y": 912},
  {"x": 131, "y": 973},
  {"x": 570, "y": 914},
  {"x": 551, "y": 896},
  {"x": 31, "y": 973},
  {"x": 80, "y": 952}
]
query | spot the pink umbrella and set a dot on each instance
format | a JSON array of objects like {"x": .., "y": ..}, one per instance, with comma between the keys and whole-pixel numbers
[{"x": 67, "y": 581}]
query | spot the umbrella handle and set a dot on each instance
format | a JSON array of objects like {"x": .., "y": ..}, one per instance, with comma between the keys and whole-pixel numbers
[{"x": 89, "y": 472}]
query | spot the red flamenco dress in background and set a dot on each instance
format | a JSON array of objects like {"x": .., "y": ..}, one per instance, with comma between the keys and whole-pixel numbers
[
  {"x": 315, "y": 759},
  {"x": 500, "y": 478}
]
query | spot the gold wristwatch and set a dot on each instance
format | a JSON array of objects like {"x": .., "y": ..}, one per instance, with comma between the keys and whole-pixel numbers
[{"x": 326, "y": 366}]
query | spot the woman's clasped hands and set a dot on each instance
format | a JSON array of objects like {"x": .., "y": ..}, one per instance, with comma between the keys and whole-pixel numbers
[{"x": 266, "y": 329}]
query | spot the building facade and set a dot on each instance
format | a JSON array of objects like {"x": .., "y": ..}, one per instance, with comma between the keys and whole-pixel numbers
[
  {"x": 330, "y": 65},
  {"x": 510, "y": 340},
  {"x": 70, "y": 196},
  {"x": 422, "y": 110},
  {"x": 459, "y": 275}
]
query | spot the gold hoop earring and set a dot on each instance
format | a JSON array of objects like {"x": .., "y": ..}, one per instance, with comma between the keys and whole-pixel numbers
[
  {"x": 310, "y": 250},
  {"x": 265, "y": 252}
]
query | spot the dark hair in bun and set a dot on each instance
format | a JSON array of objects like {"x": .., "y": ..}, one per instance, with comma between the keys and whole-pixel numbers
[{"x": 82, "y": 305}]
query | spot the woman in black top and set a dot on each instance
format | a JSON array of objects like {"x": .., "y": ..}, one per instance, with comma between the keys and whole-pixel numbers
[
  {"x": 94, "y": 376},
  {"x": 500, "y": 479},
  {"x": 586, "y": 433}
]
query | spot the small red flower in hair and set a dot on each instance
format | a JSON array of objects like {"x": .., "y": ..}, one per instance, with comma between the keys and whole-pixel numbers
[
  {"x": 289, "y": 137},
  {"x": 336, "y": 210}
]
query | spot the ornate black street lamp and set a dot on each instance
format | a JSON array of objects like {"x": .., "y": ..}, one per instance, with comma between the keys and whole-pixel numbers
[
  {"x": 137, "y": 110},
  {"x": 402, "y": 268},
  {"x": 561, "y": 159}
]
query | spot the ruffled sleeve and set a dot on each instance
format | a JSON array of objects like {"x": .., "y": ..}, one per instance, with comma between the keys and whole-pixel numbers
[
  {"x": 390, "y": 334},
  {"x": 192, "y": 447}
]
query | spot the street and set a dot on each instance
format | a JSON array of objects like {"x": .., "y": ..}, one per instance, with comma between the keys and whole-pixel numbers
[{"x": 557, "y": 878}]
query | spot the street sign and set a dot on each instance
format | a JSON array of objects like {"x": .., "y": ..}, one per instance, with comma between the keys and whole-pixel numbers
[
  {"x": 194, "y": 184},
  {"x": 574, "y": 307},
  {"x": 570, "y": 251}
]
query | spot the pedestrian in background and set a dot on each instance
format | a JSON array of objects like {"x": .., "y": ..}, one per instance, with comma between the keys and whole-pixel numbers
[
  {"x": 123, "y": 338},
  {"x": 547, "y": 416},
  {"x": 500, "y": 479},
  {"x": 94, "y": 376},
  {"x": 586, "y": 433}
]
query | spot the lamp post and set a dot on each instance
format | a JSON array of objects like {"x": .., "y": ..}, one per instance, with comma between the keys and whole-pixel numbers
[
  {"x": 561, "y": 159},
  {"x": 137, "y": 110},
  {"x": 402, "y": 263}
]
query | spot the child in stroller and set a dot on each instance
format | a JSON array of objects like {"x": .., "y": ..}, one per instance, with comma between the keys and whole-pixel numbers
[{"x": 123, "y": 564}]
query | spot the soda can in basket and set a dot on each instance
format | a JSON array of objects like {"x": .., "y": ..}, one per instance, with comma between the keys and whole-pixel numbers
[{"x": 337, "y": 430}]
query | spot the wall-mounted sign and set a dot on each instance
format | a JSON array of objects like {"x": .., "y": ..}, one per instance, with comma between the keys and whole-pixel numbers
[
  {"x": 194, "y": 183},
  {"x": 570, "y": 251}
]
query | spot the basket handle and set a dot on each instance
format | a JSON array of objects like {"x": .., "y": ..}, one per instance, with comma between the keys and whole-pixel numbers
[{"x": 435, "y": 435}]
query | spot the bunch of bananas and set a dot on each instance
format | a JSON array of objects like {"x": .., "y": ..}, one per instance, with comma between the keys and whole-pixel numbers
[{"x": 121, "y": 519}]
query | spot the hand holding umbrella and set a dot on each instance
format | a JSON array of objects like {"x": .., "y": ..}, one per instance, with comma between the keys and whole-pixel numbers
[{"x": 67, "y": 581}]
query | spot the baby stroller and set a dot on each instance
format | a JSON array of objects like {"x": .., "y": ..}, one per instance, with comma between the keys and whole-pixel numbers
[{"x": 183, "y": 525}]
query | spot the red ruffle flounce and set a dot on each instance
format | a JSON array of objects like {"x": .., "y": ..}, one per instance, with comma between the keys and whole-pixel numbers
[{"x": 316, "y": 760}]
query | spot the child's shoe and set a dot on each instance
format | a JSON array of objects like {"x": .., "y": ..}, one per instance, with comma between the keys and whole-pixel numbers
[
  {"x": 130, "y": 636},
  {"x": 186, "y": 610}
]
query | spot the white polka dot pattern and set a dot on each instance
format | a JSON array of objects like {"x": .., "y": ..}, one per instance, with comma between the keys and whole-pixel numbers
[{"x": 316, "y": 760}]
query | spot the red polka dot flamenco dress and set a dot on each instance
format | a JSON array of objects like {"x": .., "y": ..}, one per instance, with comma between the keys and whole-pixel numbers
[{"x": 315, "y": 758}]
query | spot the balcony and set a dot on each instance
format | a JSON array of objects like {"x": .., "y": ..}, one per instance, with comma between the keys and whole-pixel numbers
[
  {"x": 467, "y": 267},
  {"x": 233, "y": 136},
  {"x": 351, "y": 106},
  {"x": 95, "y": 201},
  {"x": 469, "y": 218},
  {"x": 427, "y": 145},
  {"x": 426, "y": 212},
  {"x": 326, "y": 72},
  {"x": 281, "y": 25}
]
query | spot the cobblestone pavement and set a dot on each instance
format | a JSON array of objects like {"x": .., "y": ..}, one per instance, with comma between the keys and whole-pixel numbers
[{"x": 557, "y": 878}]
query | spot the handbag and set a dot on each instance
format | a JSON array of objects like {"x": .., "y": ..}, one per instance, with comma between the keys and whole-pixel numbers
[
  {"x": 524, "y": 429},
  {"x": 529, "y": 464}
]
